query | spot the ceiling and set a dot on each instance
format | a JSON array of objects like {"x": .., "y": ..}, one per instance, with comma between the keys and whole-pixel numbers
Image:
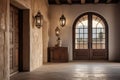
[{"x": 57, "y": 2}]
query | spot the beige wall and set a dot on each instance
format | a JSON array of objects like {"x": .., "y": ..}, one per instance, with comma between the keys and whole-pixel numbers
[
  {"x": 109, "y": 11},
  {"x": 36, "y": 35}
]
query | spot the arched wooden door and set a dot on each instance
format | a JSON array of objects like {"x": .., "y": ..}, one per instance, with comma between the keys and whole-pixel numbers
[{"x": 90, "y": 37}]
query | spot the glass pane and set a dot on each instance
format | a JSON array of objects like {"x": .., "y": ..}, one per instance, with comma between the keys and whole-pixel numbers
[
  {"x": 98, "y": 40},
  {"x": 97, "y": 22},
  {"x": 79, "y": 25},
  {"x": 100, "y": 35},
  {"x": 85, "y": 30},
  {"x": 83, "y": 22},
  {"x": 76, "y": 41},
  {"x": 81, "y": 30},
  {"x": 76, "y": 35},
  {"x": 81, "y": 46},
  {"x": 76, "y": 30},
  {"x": 85, "y": 45},
  {"x": 94, "y": 30},
  {"x": 103, "y": 35},
  {"x": 85, "y": 40},
  {"x": 98, "y": 30},
  {"x": 94, "y": 40},
  {"x": 81, "y": 35},
  {"x": 94, "y": 45},
  {"x": 76, "y": 46},
  {"x": 81, "y": 40},
  {"x": 100, "y": 24},
  {"x": 103, "y": 30},
  {"x": 102, "y": 46},
  {"x": 103, "y": 41},
  {"x": 98, "y": 46},
  {"x": 85, "y": 35},
  {"x": 94, "y": 35}
]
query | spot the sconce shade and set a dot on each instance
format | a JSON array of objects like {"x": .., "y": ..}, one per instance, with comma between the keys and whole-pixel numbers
[
  {"x": 38, "y": 20},
  {"x": 62, "y": 20},
  {"x": 57, "y": 31}
]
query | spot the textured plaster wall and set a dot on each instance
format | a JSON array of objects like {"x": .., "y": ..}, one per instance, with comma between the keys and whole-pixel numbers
[
  {"x": 4, "y": 24},
  {"x": 39, "y": 36},
  {"x": 109, "y": 11},
  {"x": 36, "y": 35}
]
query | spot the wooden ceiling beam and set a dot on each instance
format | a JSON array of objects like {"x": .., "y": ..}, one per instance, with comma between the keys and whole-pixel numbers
[
  {"x": 102, "y": 1},
  {"x": 108, "y": 1},
  {"x": 57, "y": 1},
  {"x": 115, "y": 1},
  {"x": 96, "y": 1},
  {"x": 82, "y": 1},
  {"x": 69, "y": 1}
]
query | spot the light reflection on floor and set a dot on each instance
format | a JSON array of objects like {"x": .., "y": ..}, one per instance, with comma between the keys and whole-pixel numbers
[{"x": 73, "y": 71}]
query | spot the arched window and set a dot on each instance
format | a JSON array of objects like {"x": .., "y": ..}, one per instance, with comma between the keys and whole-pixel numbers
[{"x": 90, "y": 37}]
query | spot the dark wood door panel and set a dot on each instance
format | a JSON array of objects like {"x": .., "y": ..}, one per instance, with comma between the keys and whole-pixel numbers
[
  {"x": 100, "y": 54},
  {"x": 81, "y": 54},
  {"x": 14, "y": 46}
]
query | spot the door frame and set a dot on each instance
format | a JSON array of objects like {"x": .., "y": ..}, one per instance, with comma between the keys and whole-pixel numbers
[
  {"x": 106, "y": 34},
  {"x": 24, "y": 28}
]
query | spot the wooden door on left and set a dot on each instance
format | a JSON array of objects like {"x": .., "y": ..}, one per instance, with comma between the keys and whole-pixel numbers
[{"x": 14, "y": 39}]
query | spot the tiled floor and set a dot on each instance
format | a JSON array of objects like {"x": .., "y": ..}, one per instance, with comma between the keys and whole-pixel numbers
[{"x": 73, "y": 71}]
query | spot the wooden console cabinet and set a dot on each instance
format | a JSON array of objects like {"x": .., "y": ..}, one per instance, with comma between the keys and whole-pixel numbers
[{"x": 57, "y": 54}]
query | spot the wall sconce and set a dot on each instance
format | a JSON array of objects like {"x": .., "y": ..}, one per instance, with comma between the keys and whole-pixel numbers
[
  {"x": 62, "y": 20},
  {"x": 38, "y": 19}
]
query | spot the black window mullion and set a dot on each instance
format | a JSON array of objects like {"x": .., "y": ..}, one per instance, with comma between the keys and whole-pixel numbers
[
  {"x": 83, "y": 35},
  {"x": 101, "y": 39},
  {"x": 90, "y": 30},
  {"x": 79, "y": 39}
]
